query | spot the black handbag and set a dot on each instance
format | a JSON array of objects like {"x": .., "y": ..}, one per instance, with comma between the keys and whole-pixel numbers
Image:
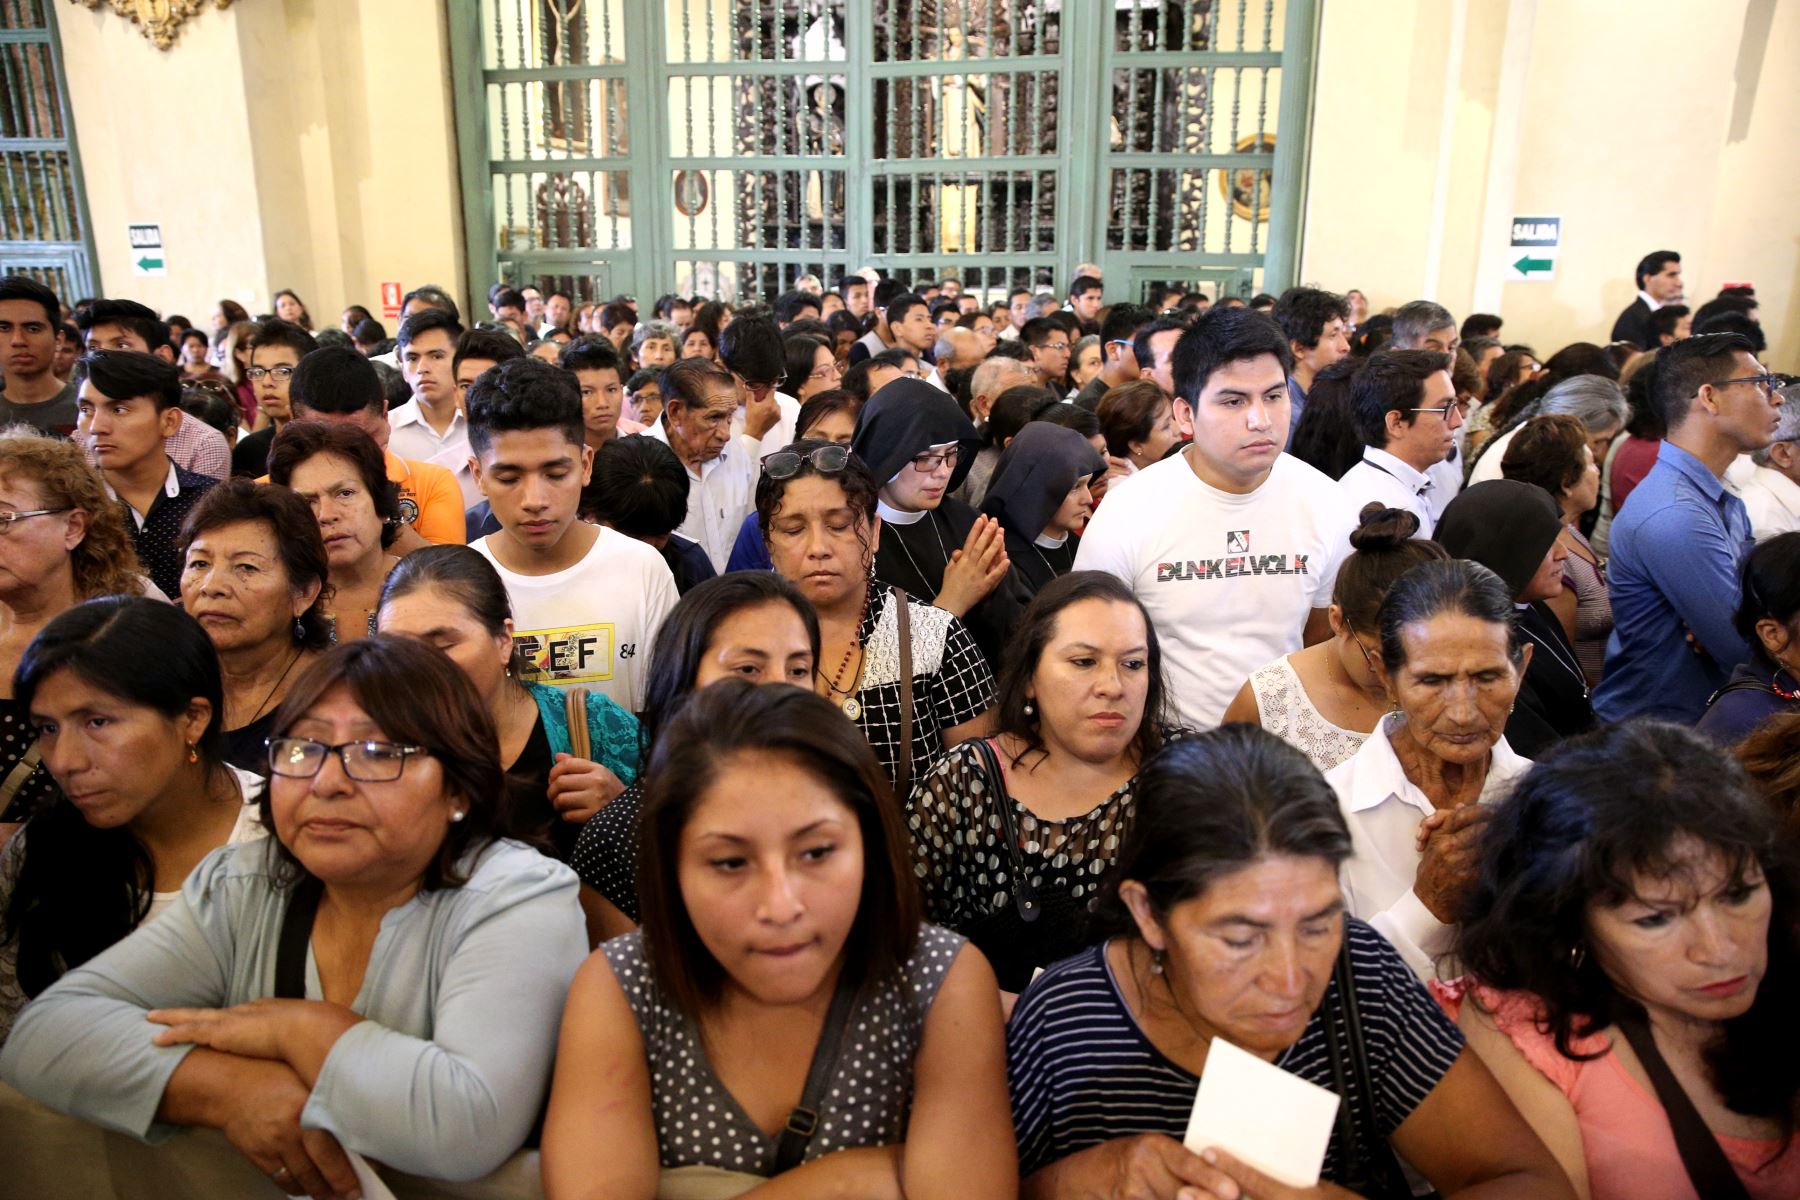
[
  {"x": 1376, "y": 1174},
  {"x": 1038, "y": 927}
]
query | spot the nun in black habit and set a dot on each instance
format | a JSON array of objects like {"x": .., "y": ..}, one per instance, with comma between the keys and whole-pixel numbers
[
  {"x": 920, "y": 444},
  {"x": 1040, "y": 495},
  {"x": 1511, "y": 528}
]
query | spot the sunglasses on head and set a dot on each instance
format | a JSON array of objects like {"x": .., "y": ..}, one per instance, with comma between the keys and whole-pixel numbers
[{"x": 826, "y": 460}]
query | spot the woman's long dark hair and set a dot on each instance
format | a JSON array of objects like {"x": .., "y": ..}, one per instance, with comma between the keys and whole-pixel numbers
[
  {"x": 1025, "y": 649},
  {"x": 733, "y": 717},
  {"x": 1571, "y": 836},
  {"x": 684, "y": 635},
  {"x": 1214, "y": 803},
  {"x": 81, "y": 889}
]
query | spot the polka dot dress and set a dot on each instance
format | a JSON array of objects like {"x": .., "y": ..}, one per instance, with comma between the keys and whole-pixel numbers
[
  {"x": 868, "y": 1102},
  {"x": 17, "y": 737}
]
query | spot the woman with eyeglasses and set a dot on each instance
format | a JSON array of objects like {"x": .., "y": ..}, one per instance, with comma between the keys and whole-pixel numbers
[
  {"x": 1325, "y": 700},
  {"x": 338, "y": 470},
  {"x": 811, "y": 367},
  {"x": 382, "y": 976},
  {"x": 911, "y": 676},
  {"x": 828, "y": 416},
  {"x": 750, "y": 625},
  {"x": 132, "y": 741},
  {"x": 1417, "y": 791},
  {"x": 916, "y": 440},
  {"x": 1225, "y": 920},
  {"x": 62, "y": 540},
  {"x": 785, "y": 1023},
  {"x": 254, "y": 574}
]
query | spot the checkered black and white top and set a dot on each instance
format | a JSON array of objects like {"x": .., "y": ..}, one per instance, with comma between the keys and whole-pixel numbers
[{"x": 951, "y": 681}]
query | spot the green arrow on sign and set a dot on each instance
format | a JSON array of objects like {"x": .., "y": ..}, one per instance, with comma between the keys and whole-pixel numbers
[
  {"x": 150, "y": 264},
  {"x": 1528, "y": 264}
]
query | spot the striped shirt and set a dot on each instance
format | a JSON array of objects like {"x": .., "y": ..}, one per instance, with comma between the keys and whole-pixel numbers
[{"x": 1082, "y": 1071}]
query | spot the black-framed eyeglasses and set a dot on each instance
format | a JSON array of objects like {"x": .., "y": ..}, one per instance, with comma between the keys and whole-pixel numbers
[
  {"x": 826, "y": 460},
  {"x": 1766, "y": 383},
  {"x": 1443, "y": 410},
  {"x": 364, "y": 761},
  {"x": 9, "y": 518},
  {"x": 932, "y": 460},
  {"x": 260, "y": 373}
]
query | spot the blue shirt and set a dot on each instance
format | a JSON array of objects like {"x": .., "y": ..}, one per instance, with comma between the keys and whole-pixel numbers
[
  {"x": 1297, "y": 402},
  {"x": 749, "y": 553},
  {"x": 1676, "y": 548}
]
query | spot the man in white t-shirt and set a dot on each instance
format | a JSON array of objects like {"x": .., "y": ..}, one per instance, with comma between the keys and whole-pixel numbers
[
  {"x": 1405, "y": 408},
  {"x": 1232, "y": 546},
  {"x": 587, "y": 601}
]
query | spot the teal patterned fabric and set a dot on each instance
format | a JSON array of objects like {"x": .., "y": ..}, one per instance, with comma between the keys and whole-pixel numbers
[{"x": 612, "y": 731}]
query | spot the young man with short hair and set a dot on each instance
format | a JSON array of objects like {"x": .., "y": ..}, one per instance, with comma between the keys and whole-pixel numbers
[
  {"x": 1670, "y": 323},
  {"x": 1317, "y": 325},
  {"x": 797, "y": 305},
  {"x": 640, "y": 488},
  {"x": 700, "y": 401},
  {"x": 30, "y": 316},
  {"x": 1118, "y": 362},
  {"x": 1232, "y": 545},
  {"x": 1048, "y": 343},
  {"x": 1086, "y": 295},
  {"x": 751, "y": 349},
  {"x": 337, "y": 384},
  {"x": 430, "y": 427},
  {"x": 1424, "y": 325},
  {"x": 127, "y": 325},
  {"x": 1018, "y": 311},
  {"x": 275, "y": 353},
  {"x": 1678, "y": 543},
  {"x": 130, "y": 404},
  {"x": 854, "y": 291},
  {"x": 879, "y": 336},
  {"x": 586, "y": 600},
  {"x": 1405, "y": 409},
  {"x": 534, "y": 306},
  {"x": 600, "y": 372},
  {"x": 909, "y": 325}
]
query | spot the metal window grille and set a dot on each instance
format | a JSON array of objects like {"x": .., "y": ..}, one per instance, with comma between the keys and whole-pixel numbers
[{"x": 44, "y": 228}]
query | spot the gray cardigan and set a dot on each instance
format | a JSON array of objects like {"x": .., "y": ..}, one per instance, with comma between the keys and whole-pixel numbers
[{"x": 461, "y": 1004}]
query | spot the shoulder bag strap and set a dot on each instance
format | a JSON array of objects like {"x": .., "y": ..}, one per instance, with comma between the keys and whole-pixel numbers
[
  {"x": 22, "y": 770},
  {"x": 1706, "y": 1164},
  {"x": 1381, "y": 1177},
  {"x": 575, "y": 704},
  {"x": 1024, "y": 895},
  {"x": 903, "y": 760},
  {"x": 803, "y": 1121},
  {"x": 296, "y": 934}
]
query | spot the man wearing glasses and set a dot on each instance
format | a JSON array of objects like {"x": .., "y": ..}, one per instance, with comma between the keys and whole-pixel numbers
[
  {"x": 1678, "y": 542},
  {"x": 1048, "y": 343},
  {"x": 1118, "y": 361},
  {"x": 1405, "y": 409},
  {"x": 277, "y": 350}
]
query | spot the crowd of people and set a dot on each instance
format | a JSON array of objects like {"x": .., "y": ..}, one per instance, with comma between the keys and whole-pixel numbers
[{"x": 875, "y": 743}]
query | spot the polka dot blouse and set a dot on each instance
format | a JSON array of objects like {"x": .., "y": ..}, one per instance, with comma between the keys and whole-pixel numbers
[{"x": 869, "y": 1101}]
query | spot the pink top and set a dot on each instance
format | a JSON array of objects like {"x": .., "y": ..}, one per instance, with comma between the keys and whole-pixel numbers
[{"x": 1625, "y": 1135}]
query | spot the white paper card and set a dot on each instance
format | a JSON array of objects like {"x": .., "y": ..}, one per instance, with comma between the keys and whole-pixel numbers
[
  {"x": 366, "y": 1178},
  {"x": 1278, "y": 1123}
]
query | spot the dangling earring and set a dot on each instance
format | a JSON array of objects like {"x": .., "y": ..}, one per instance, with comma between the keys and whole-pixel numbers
[
  {"x": 1156, "y": 961},
  {"x": 299, "y": 630},
  {"x": 457, "y": 814},
  {"x": 1577, "y": 956},
  {"x": 1029, "y": 710},
  {"x": 193, "y": 752}
]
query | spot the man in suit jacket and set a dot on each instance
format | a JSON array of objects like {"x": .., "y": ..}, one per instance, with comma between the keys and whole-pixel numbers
[{"x": 1659, "y": 283}]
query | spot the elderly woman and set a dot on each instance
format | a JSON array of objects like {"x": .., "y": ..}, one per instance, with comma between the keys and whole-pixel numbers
[
  {"x": 1326, "y": 699},
  {"x": 1632, "y": 969},
  {"x": 1516, "y": 531},
  {"x": 133, "y": 742},
  {"x": 785, "y": 1013},
  {"x": 1081, "y": 707},
  {"x": 908, "y": 673},
  {"x": 253, "y": 575},
  {"x": 567, "y": 753},
  {"x": 1227, "y": 920},
  {"x": 1554, "y": 453},
  {"x": 1042, "y": 495},
  {"x": 1412, "y": 795},
  {"x": 1597, "y": 401},
  {"x": 339, "y": 471},
  {"x": 1138, "y": 421},
  {"x": 385, "y": 978},
  {"x": 63, "y": 541}
]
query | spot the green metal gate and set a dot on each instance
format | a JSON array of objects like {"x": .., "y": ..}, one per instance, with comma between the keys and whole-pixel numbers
[
  {"x": 44, "y": 227},
  {"x": 728, "y": 147}
]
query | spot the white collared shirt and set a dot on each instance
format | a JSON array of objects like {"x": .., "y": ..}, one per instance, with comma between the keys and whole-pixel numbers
[
  {"x": 411, "y": 435},
  {"x": 1774, "y": 503},
  {"x": 782, "y": 434},
  {"x": 1384, "y": 478},
  {"x": 720, "y": 495},
  {"x": 1383, "y": 809},
  {"x": 1650, "y": 300},
  {"x": 171, "y": 489}
]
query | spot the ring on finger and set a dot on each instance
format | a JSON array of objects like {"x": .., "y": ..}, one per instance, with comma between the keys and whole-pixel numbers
[{"x": 281, "y": 1174}]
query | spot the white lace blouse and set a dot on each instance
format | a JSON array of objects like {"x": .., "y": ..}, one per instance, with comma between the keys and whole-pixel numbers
[{"x": 1288, "y": 713}]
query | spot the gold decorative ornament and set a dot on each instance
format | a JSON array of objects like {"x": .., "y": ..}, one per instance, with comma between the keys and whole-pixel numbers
[
  {"x": 1248, "y": 187},
  {"x": 160, "y": 20}
]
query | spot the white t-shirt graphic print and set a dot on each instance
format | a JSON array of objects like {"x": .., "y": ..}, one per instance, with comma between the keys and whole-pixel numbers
[{"x": 1228, "y": 580}]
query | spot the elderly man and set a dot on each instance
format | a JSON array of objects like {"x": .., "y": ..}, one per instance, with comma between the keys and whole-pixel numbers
[
  {"x": 1772, "y": 492},
  {"x": 956, "y": 349}
]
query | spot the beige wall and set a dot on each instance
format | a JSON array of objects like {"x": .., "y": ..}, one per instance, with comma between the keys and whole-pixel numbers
[
  {"x": 281, "y": 143},
  {"x": 1694, "y": 154}
]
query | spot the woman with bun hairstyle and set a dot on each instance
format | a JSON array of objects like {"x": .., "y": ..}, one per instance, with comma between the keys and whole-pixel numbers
[{"x": 1325, "y": 700}]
